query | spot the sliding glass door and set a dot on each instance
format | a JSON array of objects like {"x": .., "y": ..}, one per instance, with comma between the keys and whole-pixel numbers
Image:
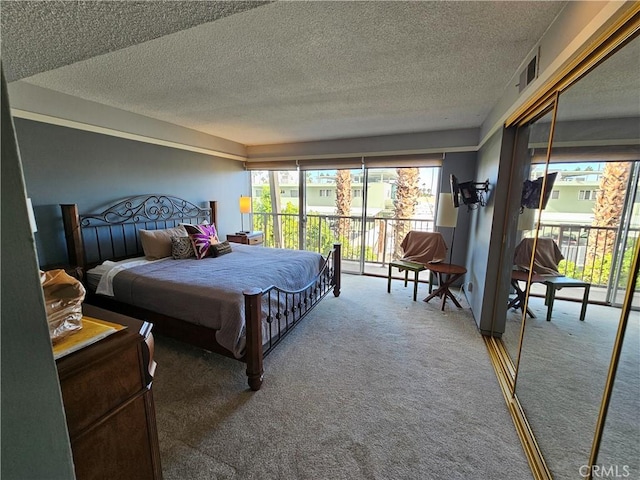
[
  {"x": 275, "y": 207},
  {"x": 333, "y": 213},
  {"x": 592, "y": 215},
  {"x": 629, "y": 235},
  {"x": 367, "y": 210},
  {"x": 397, "y": 200}
]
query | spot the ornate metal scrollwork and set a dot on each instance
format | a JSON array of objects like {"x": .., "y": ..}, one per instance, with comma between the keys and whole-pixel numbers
[{"x": 150, "y": 208}]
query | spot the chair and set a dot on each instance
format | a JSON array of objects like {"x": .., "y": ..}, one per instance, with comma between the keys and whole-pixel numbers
[
  {"x": 547, "y": 257},
  {"x": 545, "y": 270},
  {"x": 420, "y": 249}
]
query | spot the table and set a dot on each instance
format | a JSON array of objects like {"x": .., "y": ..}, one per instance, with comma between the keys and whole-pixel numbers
[
  {"x": 406, "y": 266},
  {"x": 552, "y": 283},
  {"x": 556, "y": 283},
  {"x": 249, "y": 238},
  {"x": 447, "y": 274}
]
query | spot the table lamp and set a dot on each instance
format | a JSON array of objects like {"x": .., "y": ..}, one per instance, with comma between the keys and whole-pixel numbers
[
  {"x": 245, "y": 207},
  {"x": 447, "y": 216},
  {"x": 527, "y": 219}
]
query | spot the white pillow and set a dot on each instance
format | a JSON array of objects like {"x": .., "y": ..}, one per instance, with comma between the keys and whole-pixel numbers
[{"x": 157, "y": 243}]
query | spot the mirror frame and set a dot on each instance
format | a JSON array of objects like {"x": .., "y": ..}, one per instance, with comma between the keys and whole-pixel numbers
[{"x": 625, "y": 29}]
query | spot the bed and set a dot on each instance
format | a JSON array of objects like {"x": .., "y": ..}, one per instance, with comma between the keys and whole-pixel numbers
[{"x": 240, "y": 305}]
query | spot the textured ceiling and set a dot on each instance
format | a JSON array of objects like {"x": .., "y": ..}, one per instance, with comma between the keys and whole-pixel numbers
[
  {"x": 611, "y": 90},
  {"x": 282, "y": 72},
  {"x": 43, "y": 35}
]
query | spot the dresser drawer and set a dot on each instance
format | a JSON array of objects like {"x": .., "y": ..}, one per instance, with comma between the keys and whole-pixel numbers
[
  {"x": 125, "y": 451},
  {"x": 255, "y": 240},
  {"x": 92, "y": 392}
]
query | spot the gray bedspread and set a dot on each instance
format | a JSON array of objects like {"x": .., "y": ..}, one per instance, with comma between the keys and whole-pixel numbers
[{"x": 208, "y": 292}]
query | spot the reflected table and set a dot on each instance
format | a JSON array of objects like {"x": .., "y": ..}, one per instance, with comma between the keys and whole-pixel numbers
[
  {"x": 447, "y": 273},
  {"x": 556, "y": 283},
  {"x": 553, "y": 283}
]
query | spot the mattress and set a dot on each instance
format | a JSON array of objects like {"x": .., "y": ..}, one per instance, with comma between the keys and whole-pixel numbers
[{"x": 208, "y": 292}]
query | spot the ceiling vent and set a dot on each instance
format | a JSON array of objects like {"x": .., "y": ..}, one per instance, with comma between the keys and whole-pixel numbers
[{"x": 530, "y": 72}]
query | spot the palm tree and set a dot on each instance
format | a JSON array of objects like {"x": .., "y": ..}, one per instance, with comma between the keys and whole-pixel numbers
[
  {"x": 404, "y": 205},
  {"x": 343, "y": 203},
  {"x": 607, "y": 213}
]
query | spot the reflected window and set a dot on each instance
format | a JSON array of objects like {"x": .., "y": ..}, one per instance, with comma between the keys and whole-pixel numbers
[{"x": 587, "y": 195}]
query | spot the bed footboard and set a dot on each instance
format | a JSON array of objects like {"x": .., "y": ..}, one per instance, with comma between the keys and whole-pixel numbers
[{"x": 285, "y": 309}]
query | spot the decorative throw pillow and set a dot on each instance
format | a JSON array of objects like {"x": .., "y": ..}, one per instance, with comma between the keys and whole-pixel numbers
[
  {"x": 181, "y": 248},
  {"x": 157, "y": 243},
  {"x": 220, "y": 249},
  {"x": 202, "y": 237}
]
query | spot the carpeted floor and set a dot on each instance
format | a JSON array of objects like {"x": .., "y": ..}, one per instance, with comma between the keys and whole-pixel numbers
[
  {"x": 370, "y": 386},
  {"x": 564, "y": 366}
]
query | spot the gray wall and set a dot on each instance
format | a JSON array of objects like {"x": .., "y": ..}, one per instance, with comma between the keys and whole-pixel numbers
[
  {"x": 64, "y": 165},
  {"x": 465, "y": 139},
  {"x": 487, "y": 226},
  {"x": 35, "y": 443},
  {"x": 463, "y": 166}
]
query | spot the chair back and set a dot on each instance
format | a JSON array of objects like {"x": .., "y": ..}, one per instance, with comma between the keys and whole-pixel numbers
[
  {"x": 547, "y": 257},
  {"x": 424, "y": 247}
]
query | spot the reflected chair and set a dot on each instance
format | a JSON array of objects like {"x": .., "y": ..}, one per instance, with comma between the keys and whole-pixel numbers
[
  {"x": 419, "y": 250},
  {"x": 546, "y": 260},
  {"x": 545, "y": 271}
]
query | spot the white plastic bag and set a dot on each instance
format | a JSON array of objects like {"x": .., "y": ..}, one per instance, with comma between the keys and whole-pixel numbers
[{"x": 63, "y": 296}]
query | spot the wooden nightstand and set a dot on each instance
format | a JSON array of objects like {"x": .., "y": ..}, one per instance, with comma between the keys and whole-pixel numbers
[{"x": 251, "y": 238}]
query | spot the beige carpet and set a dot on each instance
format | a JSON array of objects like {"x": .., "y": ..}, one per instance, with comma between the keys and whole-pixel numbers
[
  {"x": 370, "y": 386},
  {"x": 564, "y": 366}
]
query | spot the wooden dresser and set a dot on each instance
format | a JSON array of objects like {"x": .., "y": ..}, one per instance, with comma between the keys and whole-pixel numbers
[{"x": 106, "y": 389}]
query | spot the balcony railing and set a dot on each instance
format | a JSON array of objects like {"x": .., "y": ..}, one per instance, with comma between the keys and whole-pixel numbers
[
  {"x": 589, "y": 251},
  {"x": 321, "y": 231}
]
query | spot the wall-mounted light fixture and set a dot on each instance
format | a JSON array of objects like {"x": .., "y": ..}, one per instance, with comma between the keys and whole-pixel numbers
[
  {"x": 245, "y": 207},
  {"x": 471, "y": 193},
  {"x": 532, "y": 191}
]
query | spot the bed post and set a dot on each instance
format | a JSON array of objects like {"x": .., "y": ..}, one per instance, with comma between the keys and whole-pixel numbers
[
  {"x": 253, "y": 335},
  {"x": 72, "y": 234},
  {"x": 337, "y": 268}
]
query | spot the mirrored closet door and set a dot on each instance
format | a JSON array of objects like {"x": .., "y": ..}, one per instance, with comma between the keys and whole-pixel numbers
[{"x": 584, "y": 143}]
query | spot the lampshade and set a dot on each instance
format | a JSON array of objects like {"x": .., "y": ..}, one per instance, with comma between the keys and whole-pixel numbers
[
  {"x": 32, "y": 217},
  {"x": 526, "y": 220},
  {"x": 245, "y": 204},
  {"x": 447, "y": 214}
]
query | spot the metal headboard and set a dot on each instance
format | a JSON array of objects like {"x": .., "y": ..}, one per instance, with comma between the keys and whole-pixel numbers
[{"x": 113, "y": 234}]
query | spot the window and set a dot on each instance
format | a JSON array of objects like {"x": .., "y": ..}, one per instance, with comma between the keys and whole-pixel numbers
[
  {"x": 282, "y": 191},
  {"x": 587, "y": 194},
  {"x": 555, "y": 194},
  {"x": 357, "y": 192},
  {"x": 325, "y": 192},
  {"x": 294, "y": 192}
]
